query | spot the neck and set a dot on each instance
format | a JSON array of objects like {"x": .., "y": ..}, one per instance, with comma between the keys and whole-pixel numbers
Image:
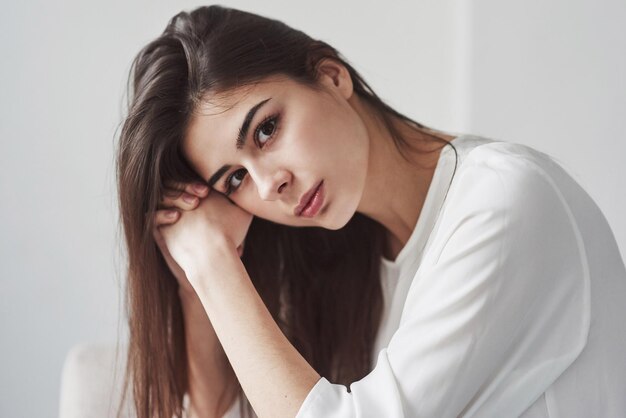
[{"x": 395, "y": 189}]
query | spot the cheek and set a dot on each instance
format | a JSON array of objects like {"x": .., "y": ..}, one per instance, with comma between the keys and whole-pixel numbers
[
  {"x": 258, "y": 207},
  {"x": 302, "y": 138},
  {"x": 315, "y": 142}
]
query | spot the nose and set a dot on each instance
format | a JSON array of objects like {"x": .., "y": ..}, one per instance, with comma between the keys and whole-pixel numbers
[{"x": 272, "y": 185}]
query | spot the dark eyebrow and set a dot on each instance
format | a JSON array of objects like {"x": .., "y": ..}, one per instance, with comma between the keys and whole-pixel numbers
[
  {"x": 241, "y": 139},
  {"x": 218, "y": 174}
]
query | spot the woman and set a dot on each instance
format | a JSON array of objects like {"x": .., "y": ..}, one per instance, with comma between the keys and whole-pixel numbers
[{"x": 296, "y": 243}]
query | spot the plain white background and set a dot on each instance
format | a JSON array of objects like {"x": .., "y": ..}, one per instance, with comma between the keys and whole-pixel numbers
[{"x": 548, "y": 74}]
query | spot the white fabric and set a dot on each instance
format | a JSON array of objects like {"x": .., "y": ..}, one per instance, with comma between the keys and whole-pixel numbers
[
  {"x": 91, "y": 384},
  {"x": 508, "y": 300},
  {"x": 232, "y": 412}
]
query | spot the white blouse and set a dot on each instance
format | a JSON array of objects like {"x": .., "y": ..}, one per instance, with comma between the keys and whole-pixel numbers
[{"x": 509, "y": 299}]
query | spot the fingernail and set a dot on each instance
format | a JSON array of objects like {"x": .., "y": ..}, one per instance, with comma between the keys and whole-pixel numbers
[
  {"x": 200, "y": 188},
  {"x": 170, "y": 214},
  {"x": 188, "y": 198}
]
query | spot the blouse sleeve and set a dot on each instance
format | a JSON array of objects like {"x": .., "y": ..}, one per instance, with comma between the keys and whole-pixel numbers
[{"x": 498, "y": 309}]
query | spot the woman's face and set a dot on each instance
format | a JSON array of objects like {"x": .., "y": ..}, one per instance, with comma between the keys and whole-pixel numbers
[{"x": 294, "y": 138}]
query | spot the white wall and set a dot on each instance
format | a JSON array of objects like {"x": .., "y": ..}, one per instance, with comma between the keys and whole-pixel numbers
[
  {"x": 451, "y": 64},
  {"x": 552, "y": 74}
]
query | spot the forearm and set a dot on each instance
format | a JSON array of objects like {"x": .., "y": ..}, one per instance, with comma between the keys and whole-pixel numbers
[
  {"x": 273, "y": 374},
  {"x": 212, "y": 382}
]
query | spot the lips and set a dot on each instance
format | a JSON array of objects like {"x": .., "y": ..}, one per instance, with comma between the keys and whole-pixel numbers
[{"x": 304, "y": 200}]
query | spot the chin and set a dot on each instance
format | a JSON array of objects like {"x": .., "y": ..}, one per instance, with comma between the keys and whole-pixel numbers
[
  {"x": 335, "y": 227},
  {"x": 339, "y": 220},
  {"x": 336, "y": 224}
]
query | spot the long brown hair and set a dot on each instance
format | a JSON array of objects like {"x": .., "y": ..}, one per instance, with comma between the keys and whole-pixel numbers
[{"x": 321, "y": 286}]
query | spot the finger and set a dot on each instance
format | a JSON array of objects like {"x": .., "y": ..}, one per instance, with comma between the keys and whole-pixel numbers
[
  {"x": 196, "y": 188},
  {"x": 175, "y": 185},
  {"x": 184, "y": 201},
  {"x": 165, "y": 217}
]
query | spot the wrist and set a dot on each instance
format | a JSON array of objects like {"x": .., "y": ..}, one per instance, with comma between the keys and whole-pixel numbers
[{"x": 221, "y": 262}]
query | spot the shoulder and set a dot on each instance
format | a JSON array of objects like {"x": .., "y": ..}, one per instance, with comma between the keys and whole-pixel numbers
[
  {"x": 505, "y": 192},
  {"x": 508, "y": 177},
  {"x": 506, "y": 233}
]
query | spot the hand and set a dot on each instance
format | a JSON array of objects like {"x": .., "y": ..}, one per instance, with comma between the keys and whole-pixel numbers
[
  {"x": 182, "y": 197},
  {"x": 203, "y": 224}
]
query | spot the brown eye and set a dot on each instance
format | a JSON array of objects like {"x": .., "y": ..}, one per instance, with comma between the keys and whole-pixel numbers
[
  {"x": 266, "y": 130},
  {"x": 234, "y": 181}
]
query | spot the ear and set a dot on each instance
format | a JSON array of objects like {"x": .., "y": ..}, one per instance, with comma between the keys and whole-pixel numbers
[{"x": 335, "y": 76}]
